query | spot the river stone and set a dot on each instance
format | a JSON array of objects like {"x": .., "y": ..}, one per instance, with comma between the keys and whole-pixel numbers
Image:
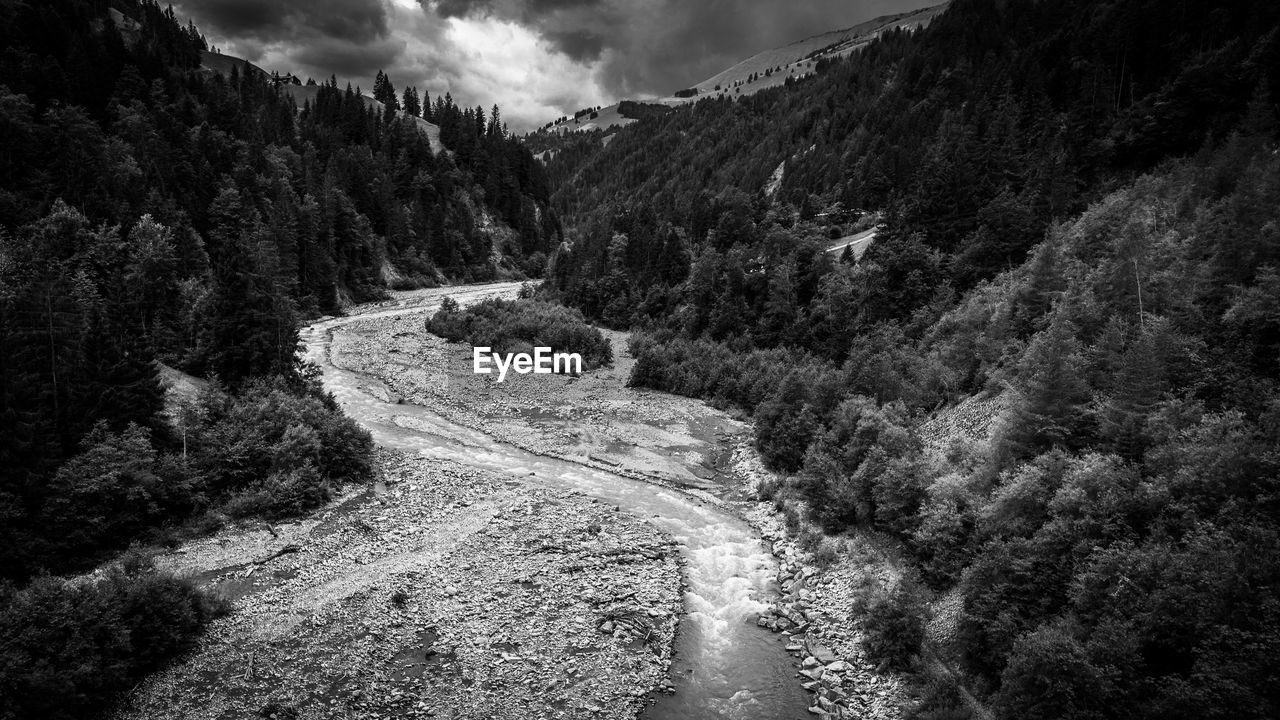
[
  {"x": 825, "y": 656},
  {"x": 814, "y": 674},
  {"x": 839, "y": 666}
]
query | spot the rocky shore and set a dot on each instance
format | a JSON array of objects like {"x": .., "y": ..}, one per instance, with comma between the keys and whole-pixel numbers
[
  {"x": 816, "y": 613},
  {"x": 446, "y": 593}
]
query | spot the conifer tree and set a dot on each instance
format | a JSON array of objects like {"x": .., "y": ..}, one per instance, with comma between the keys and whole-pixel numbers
[
  {"x": 385, "y": 93},
  {"x": 1048, "y": 410},
  {"x": 412, "y": 106}
]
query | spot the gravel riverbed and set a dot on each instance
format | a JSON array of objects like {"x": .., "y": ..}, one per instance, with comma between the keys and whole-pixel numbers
[
  {"x": 448, "y": 593},
  {"x": 594, "y": 418}
]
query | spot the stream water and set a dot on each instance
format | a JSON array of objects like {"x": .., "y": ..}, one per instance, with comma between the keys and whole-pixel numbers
[{"x": 725, "y": 666}]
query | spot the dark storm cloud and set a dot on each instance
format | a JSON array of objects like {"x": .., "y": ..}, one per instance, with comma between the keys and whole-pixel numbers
[
  {"x": 527, "y": 9},
  {"x": 277, "y": 20},
  {"x": 354, "y": 62},
  {"x": 319, "y": 38},
  {"x": 538, "y": 58},
  {"x": 659, "y": 46},
  {"x": 581, "y": 45}
]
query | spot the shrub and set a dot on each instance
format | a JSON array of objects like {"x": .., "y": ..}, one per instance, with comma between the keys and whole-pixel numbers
[
  {"x": 861, "y": 461},
  {"x": 1049, "y": 677},
  {"x": 893, "y": 624},
  {"x": 268, "y": 451},
  {"x": 940, "y": 700},
  {"x": 942, "y": 541},
  {"x": 825, "y": 553},
  {"x": 104, "y": 496},
  {"x": 509, "y": 326},
  {"x": 899, "y": 491},
  {"x": 68, "y": 647}
]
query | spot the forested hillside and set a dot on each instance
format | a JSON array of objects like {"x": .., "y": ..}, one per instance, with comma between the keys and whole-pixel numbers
[
  {"x": 152, "y": 209},
  {"x": 156, "y": 211},
  {"x": 1080, "y": 209},
  {"x": 970, "y": 134}
]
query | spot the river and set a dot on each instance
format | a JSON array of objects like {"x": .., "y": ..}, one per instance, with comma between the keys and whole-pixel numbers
[{"x": 725, "y": 666}]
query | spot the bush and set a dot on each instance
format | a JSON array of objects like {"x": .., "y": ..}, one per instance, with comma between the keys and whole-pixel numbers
[
  {"x": 860, "y": 462},
  {"x": 899, "y": 491},
  {"x": 942, "y": 540},
  {"x": 940, "y": 700},
  {"x": 893, "y": 624},
  {"x": 68, "y": 647},
  {"x": 513, "y": 326},
  {"x": 104, "y": 496},
  {"x": 268, "y": 451},
  {"x": 825, "y": 553},
  {"x": 1049, "y": 677}
]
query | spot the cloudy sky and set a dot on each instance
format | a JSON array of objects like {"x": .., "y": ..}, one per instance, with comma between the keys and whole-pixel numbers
[{"x": 537, "y": 59}]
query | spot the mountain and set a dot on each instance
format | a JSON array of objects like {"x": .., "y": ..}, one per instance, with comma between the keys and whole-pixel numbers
[
  {"x": 767, "y": 69},
  {"x": 1048, "y": 389}
]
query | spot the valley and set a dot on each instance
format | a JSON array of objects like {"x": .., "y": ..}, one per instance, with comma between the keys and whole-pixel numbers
[
  {"x": 925, "y": 369},
  {"x": 547, "y": 547}
]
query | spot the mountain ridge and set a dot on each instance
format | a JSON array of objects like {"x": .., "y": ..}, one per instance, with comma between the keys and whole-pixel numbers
[
  {"x": 222, "y": 63},
  {"x": 748, "y": 76}
]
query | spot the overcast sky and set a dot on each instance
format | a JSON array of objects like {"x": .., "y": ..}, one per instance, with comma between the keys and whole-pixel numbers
[{"x": 537, "y": 59}]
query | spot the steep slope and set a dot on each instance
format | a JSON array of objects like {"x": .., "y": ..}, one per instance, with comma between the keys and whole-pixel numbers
[
  {"x": 1051, "y": 383},
  {"x": 798, "y": 60},
  {"x": 970, "y": 135}
]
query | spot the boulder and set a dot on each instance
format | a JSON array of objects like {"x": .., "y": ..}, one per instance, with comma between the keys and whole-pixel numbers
[
  {"x": 824, "y": 655},
  {"x": 839, "y": 666}
]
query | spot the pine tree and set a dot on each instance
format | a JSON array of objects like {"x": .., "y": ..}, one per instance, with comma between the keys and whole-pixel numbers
[
  {"x": 412, "y": 106},
  {"x": 385, "y": 93},
  {"x": 251, "y": 329},
  {"x": 495, "y": 124},
  {"x": 1051, "y": 394},
  {"x": 1137, "y": 388}
]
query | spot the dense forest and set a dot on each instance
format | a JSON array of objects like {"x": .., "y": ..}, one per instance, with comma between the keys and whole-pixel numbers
[
  {"x": 971, "y": 135},
  {"x": 1079, "y": 223},
  {"x": 158, "y": 212},
  {"x": 152, "y": 209}
]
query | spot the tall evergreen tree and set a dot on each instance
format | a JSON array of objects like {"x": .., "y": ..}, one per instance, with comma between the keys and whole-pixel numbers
[{"x": 412, "y": 105}]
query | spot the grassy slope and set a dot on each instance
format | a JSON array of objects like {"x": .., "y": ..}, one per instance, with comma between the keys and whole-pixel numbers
[{"x": 791, "y": 58}]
